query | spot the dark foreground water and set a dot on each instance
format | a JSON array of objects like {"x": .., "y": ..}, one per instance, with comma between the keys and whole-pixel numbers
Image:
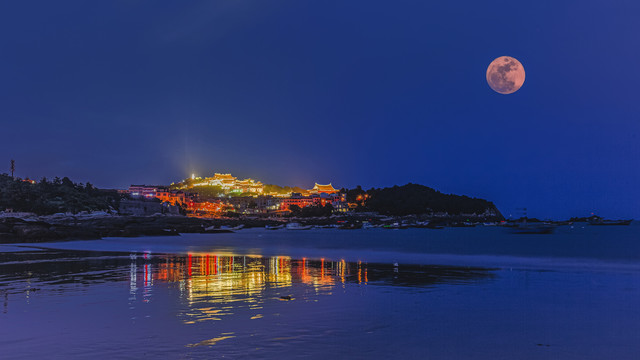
[{"x": 426, "y": 294}]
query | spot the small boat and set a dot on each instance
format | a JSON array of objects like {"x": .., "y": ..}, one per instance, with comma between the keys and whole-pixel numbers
[
  {"x": 232, "y": 228},
  {"x": 298, "y": 226},
  {"x": 274, "y": 227},
  {"x": 524, "y": 227},
  {"x": 528, "y": 228},
  {"x": 419, "y": 224},
  {"x": 396, "y": 226},
  {"x": 596, "y": 220},
  {"x": 214, "y": 230}
]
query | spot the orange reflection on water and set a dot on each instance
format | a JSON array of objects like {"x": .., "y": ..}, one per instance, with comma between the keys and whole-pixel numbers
[
  {"x": 248, "y": 272},
  {"x": 231, "y": 281}
]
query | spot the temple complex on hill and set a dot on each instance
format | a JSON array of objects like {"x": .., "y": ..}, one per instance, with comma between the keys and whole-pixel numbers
[
  {"x": 229, "y": 183},
  {"x": 250, "y": 196}
]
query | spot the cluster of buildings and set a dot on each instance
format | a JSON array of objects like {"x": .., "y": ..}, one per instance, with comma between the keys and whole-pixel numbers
[
  {"x": 170, "y": 201},
  {"x": 184, "y": 198},
  {"x": 226, "y": 182},
  {"x": 320, "y": 195}
]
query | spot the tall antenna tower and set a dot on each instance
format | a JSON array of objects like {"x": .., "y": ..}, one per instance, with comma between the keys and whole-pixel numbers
[{"x": 13, "y": 168}]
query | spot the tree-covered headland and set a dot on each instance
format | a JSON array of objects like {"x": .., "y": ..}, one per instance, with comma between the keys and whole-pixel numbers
[
  {"x": 54, "y": 196},
  {"x": 416, "y": 199}
]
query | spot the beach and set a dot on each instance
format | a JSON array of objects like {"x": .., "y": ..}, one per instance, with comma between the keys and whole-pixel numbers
[{"x": 478, "y": 293}]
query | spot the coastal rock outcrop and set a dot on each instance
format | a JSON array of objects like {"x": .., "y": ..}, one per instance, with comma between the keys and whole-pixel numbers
[{"x": 14, "y": 230}]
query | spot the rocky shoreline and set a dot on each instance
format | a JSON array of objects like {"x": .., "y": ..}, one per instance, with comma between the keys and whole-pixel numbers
[
  {"x": 19, "y": 230},
  {"x": 30, "y": 228}
]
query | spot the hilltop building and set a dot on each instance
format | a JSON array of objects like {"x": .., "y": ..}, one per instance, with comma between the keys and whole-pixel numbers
[
  {"x": 323, "y": 189},
  {"x": 228, "y": 183}
]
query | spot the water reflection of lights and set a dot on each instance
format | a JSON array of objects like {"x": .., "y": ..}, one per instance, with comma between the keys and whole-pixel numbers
[
  {"x": 133, "y": 278},
  {"x": 214, "y": 285},
  {"x": 225, "y": 281}
]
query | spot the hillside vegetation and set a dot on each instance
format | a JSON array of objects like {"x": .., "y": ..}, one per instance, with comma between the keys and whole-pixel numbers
[
  {"x": 49, "y": 197},
  {"x": 419, "y": 199}
]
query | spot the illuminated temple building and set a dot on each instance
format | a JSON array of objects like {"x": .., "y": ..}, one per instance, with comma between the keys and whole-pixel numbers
[
  {"x": 230, "y": 183},
  {"x": 323, "y": 189}
]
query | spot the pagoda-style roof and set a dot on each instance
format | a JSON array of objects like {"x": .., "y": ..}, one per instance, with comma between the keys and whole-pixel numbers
[
  {"x": 224, "y": 176},
  {"x": 318, "y": 188}
]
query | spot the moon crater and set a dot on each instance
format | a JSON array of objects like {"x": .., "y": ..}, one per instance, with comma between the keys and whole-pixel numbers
[{"x": 505, "y": 75}]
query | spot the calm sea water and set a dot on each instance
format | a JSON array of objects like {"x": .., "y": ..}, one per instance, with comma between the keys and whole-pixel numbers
[{"x": 466, "y": 293}]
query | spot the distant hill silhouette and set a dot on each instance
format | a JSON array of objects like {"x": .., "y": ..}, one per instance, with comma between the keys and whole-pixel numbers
[{"x": 419, "y": 199}]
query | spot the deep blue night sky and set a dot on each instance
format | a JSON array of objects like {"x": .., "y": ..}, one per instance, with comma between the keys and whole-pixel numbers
[{"x": 374, "y": 93}]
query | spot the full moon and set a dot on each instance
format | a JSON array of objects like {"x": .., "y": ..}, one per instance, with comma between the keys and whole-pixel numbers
[{"x": 505, "y": 75}]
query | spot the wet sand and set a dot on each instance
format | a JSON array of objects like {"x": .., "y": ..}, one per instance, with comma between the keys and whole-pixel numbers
[{"x": 119, "y": 300}]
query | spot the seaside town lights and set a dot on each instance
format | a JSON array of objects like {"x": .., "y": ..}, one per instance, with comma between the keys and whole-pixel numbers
[{"x": 246, "y": 196}]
